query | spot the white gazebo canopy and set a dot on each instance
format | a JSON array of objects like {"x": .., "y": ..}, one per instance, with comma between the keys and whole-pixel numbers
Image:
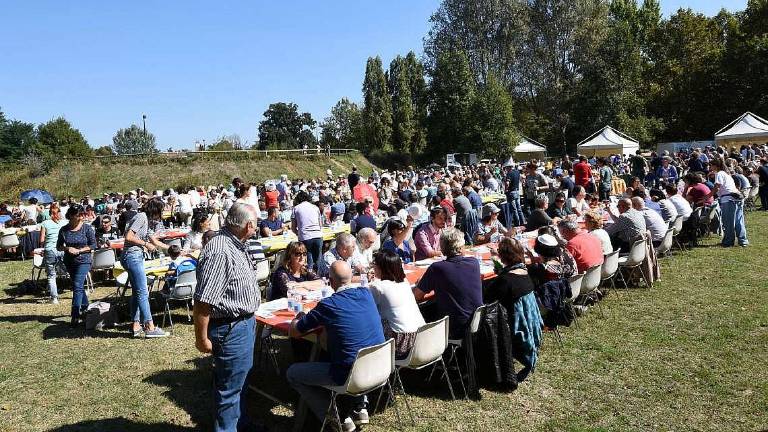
[
  {"x": 527, "y": 145},
  {"x": 608, "y": 141},
  {"x": 748, "y": 126}
]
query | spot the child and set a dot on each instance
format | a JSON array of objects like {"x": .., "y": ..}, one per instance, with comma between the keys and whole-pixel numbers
[{"x": 181, "y": 263}]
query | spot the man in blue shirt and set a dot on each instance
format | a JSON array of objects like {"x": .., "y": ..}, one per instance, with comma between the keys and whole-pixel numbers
[
  {"x": 512, "y": 188},
  {"x": 351, "y": 322},
  {"x": 272, "y": 225},
  {"x": 474, "y": 198}
]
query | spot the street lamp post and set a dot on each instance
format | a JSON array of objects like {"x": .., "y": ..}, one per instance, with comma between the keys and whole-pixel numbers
[{"x": 144, "y": 121}]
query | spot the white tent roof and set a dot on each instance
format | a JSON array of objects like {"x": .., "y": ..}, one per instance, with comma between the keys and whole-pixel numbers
[
  {"x": 747, "y": 126},
  {"x": 526, "y": 145},
  {"x": 609, "y": 138}
]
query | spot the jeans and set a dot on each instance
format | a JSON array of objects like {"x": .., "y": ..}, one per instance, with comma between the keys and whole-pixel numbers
[
  {"x": 518, "y": 218},
  {"x": 232, "y": 358},
  {"x": 314, "y": 250},
  {"x": 605, "y": 194},
  {"x": 307, "y": 378},
  {"x": 133, "y": 263},
  {"x": 51, "y": 260},
  {"x": 763, "y": 192},
  {"x": 78, "y": 272},
  {"x": 732, "y": 216}
]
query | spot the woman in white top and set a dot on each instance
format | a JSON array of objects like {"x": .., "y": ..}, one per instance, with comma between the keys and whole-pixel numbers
[
  {"x": 397, "y": 306},
  {"x": 578, "y": 203},
  {"x": 200, "y": 224},
  {"x": 731, "y": 205},
  {"x": 593, "y": 221}
]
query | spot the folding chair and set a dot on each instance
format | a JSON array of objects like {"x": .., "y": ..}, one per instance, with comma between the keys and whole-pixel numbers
[
  {"x": 633, "y": 261},
  {"x": 665, "y": 248},
  {"x": 455, "y": 344},
  {"x": 183, "y": 290},
  {"x": 592, "y": 279}
]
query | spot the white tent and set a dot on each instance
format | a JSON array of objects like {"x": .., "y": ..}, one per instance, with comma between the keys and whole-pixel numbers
[
  {"x": 529, "y": 149},
  {"x": 747, "y": 128},
  {"x": 608, "y": 141}
]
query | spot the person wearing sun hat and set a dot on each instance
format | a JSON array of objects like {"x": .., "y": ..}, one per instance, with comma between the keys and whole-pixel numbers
[
  {"x": 553, "y": 262},
  {"x": 490, "y": 230}
]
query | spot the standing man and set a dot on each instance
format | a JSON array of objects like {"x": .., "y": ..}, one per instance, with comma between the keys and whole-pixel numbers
[
  {"x": 606, "y": 176},
  {"x": 582, "y": 172},
  {"x": 763, "y": 173},
  {"x": 226, "y": 297},
  {"x": 512, "y": 188}
]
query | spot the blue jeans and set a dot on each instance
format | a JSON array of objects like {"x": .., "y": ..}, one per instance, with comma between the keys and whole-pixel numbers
[
  {"x": 513, "y": 198},
  {"x": 78, "y": 272},
  {"x": 306, "y": 378},
  {"x": 51, "y": 260},
  {"x": 133, "y": 263},
  {"x": 314, "y": 250},
  {"x": 732, "y": 216},
  {"x": 232, "y": 359}
]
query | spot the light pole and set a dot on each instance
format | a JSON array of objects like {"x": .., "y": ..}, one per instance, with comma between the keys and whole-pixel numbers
[{"x": 144, "y": 121}]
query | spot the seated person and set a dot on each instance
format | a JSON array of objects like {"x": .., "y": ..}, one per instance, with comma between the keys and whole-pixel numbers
[
  {"x": 667, "y": 210},
  {"x": 366, "y": 246},
  {"x": 272, "y": 225},
  {"x": 351, "y": 322},
  {"x": 539, "y": 217},
  {"x": 106, "y": 231},
  {"x": 201, "y": 222},
  {"x": 593, "y": 222},
  {"x": 181, "y": 263},
  {"x": 363, "y": 219},
  {"x": 628, "y": 225},
  {"x": 579, "y": 203},
  {"x": 585, "y": 248},
  {"x": 399, "y": 311},
  {"x": 653, "y": 221},
  {"x": 427, "y": 236},
  {"x": 292, "y": 269},
  {"x": 456, "y": 283},
  {"x": 558, "y": 209},
  {"x": 553, "y": 262},
  {"x": 345, "y": 251},
  {"x": 490, "y": 230},
  {"x": 398, "y": 240}
]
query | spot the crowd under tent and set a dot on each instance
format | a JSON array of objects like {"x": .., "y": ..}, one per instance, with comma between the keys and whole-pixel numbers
[{"x": 608, "y": 141}]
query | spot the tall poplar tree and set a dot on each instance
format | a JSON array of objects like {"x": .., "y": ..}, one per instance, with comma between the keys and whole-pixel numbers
[
  {"x": 451, "y": 91},
  {"x": 403, "y": 121},
  {"x": 377, "y": 108}
]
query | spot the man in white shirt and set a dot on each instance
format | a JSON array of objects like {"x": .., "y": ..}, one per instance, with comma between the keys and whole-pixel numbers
[
  {"x": 681, "y": 204},
  {"x": 653, "y": 221},
  {"x": 366, "y": 246},
  {"x": 345, "y": 251},
  {"x": 185, "y": 207}
]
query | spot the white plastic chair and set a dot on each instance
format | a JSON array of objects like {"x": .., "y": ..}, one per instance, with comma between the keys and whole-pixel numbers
[
  {"x": 370, "y": 371},
  {"x": 677, "y": 227},
  {"x": 183, "y": 290},
  {"x": 633, "y": 260},
  {"x": 590, "y": 283},
  {"x": 749, "y": 200},
  {"x": 9, "y": 241},
  {"x": 38, "y": 264},
  {"x": 121, "y": 284},
  {"x": 429, "y": 345},
  {"x": 455, "y": 344},
  {"x": 665, "y": 248},
  {"x": 575, "y": 282},
  {"x": 610, "y": 268}
]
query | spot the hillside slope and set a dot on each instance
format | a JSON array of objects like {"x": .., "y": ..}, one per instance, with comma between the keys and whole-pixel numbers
[{"x": 97, "y": 176}]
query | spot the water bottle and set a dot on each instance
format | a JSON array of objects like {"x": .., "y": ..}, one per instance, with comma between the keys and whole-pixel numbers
[
  {"x": 364, "y": 280},
  {"x": 479, "y": 257},
  {"x": 171, "y": 225},
  {"x": 290, "y": 299}
]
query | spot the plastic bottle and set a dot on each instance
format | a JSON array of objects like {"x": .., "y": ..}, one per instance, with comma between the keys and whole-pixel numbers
[{"x": 364, "y": 280}]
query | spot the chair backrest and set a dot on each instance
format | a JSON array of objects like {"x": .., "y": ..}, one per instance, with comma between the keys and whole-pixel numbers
[
  {"x": 430, "y": 343},
  {"x": 371, "y": 368},
  {"x": 122, "y": 278},
  {"x": 278, "y": 260},
  {"x": 636, "y": 253},
  {"x": 677, "y": 224},
  {"x": 185, "y": 285},
  {"x": 610, "y": 264},
  {"x": 592, "y": 278},
  {"x": 9, "y": 240},
  {"x": 37, "y": 260},
  {"x": 711, "y": 213},
  {"x": 575, "y": 282},
  {"x": 262, "y": 270},
  {"x": 666, "y": 242},
  {"x": 103, "y": 259},
  {"x": 474, "y": 322},
  {"x": 753, "y": 192}
]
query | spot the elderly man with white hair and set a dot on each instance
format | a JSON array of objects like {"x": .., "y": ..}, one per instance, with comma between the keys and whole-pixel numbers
[
  {"x": 456, "y": 283},
  {"x": 367, "y": 244},
  {"x": 226, "y": 297},
  {"x": 344, "y": 251}
]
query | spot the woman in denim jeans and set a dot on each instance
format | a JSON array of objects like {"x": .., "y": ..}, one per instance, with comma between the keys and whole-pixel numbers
[
  {"x": 49, "y": 234},
  {"x": 139, "y": 236},
  {"x": 77, "y": 240}
]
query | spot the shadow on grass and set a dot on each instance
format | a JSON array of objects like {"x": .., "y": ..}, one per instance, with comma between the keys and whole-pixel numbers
[
  {"x": 120, "y": 424},
  {"x": 58, "y": 327}
]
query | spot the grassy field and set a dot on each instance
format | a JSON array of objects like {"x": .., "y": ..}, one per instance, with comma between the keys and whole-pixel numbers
[
  {"x": 96, "y": 176},
  {"x": 688, "y": 354}
]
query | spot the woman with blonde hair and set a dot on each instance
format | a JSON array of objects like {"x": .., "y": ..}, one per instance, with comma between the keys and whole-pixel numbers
[{"x": 593, "y": 222}]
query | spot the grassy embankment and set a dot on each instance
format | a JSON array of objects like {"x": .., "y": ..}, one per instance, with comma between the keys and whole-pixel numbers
[{"x": 96, "y": 176}]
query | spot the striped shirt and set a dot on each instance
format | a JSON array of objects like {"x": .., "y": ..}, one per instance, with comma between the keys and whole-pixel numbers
[{"x": 226, "y": 279}]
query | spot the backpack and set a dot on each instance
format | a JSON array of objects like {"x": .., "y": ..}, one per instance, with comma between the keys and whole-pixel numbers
[{"x": 99, "y": 315}]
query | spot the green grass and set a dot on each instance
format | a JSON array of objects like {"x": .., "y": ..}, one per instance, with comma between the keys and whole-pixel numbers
[
  {"x": 94, "y": 176},
  {"x": 688, "y": 354}
]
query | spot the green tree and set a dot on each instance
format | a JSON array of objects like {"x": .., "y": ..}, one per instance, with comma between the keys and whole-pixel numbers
[
  {"x": 451, "y": 94},
  {"x": 493, "y": 127},
  {"x": 104, "y": 151},
  {"x": 17, "y": 138},
  {"x": 283, "y": 125},
  {"x": 418, "y": 87},
  {"x": 227, "y": 142},
  {"x": 343, "y": 128},
  {"x": 59, "y": 138},
  {"x": 377, "y": 108},
  {"x": 403, "y": 122},
  {"x": 133, "y": 140}
]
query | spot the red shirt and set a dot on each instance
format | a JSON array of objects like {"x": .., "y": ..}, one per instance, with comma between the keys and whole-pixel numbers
[
  {"x": 586, "y": 249},
  {"x": 270, "y": 199},
  {"x": 582, "y": 173},
  {"x": 699, "y": 191}
]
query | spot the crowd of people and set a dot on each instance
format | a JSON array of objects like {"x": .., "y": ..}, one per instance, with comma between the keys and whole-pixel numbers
[{"x": 581, "y": 211}]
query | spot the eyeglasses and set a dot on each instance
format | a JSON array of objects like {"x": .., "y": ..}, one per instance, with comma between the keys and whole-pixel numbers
[
  {"x": 299, "y": 254},
  {"x": 560, "y": 200}
]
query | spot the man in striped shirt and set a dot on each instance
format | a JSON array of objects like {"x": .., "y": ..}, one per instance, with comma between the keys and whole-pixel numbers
[{"x": 226, "y": 297}]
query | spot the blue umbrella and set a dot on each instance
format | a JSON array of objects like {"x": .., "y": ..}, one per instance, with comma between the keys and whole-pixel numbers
[{"x": 43, "y": 197}]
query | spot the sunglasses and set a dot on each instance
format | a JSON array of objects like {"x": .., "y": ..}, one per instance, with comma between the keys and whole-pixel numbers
[
  {"x": 300, "y": 254},
  {"x": 560, "y": 200}
]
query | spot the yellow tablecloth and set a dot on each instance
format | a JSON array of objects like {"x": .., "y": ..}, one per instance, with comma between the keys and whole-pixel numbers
[
  {"x": 278, "y": 243},
  {"x": 155, "y": 267},
  {"x": 618, "y": 187},
  {"x": 493, "y": 198}
]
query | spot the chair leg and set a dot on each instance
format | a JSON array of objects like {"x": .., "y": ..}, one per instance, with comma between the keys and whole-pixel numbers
[
  {"x": 448, "y": 377},
  {"x": 399, "y": 382},
  {"x": 559, "y": 337},
  {"x": 166, "y": 311},
  {"x": 189, "y": 316},
  {"x": 397, "y": 410},
  {"x": 331, "y": 405}
]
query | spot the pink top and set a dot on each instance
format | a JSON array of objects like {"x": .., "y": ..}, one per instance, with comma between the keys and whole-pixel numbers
[{"x": 427, "y": 240}]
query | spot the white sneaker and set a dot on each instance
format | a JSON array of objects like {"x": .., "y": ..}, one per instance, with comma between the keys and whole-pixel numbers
[
  {"x": 348, "y": 425},
  {"x": 361, "y": 417}
]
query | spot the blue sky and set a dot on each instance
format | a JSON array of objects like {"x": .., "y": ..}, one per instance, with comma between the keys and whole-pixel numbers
[{"x": 198, "y": 69}]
